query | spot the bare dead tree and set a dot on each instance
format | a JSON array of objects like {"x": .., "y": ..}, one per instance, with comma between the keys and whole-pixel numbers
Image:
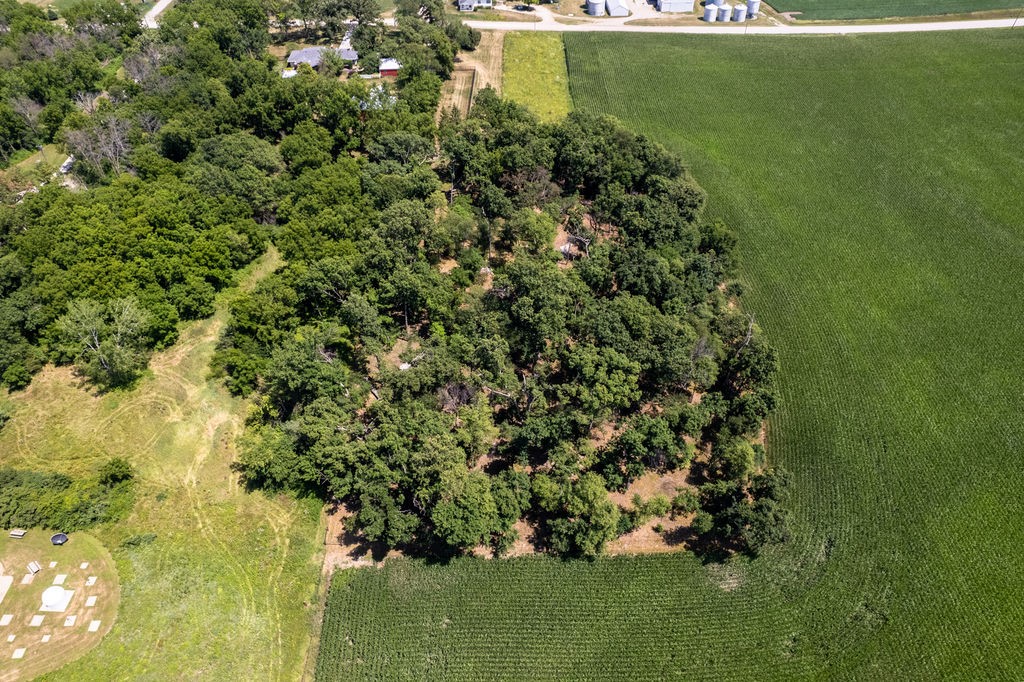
[
  {"x": 149, "y": 121},
  {"x": 29, "y": 110},
  {"x": 46, "y": 44},
  {"x": 102, "y": 143},
  {"x": 749, "y": 336},
  {"x": 86, "y": 102},
  {"x": 145, "y": 63}
]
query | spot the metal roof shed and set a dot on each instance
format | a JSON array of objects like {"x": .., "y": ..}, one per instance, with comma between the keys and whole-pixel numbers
[{"x": 617, "y": 8}]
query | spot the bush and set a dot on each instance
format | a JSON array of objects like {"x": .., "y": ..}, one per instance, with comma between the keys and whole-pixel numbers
[
  {"x": 29, "y": 498},
  {"x": 115, "y": 471},
  {"x": 685, "y": 502}
]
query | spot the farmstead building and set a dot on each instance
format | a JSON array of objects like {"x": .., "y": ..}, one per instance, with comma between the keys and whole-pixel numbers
[{"x": 389, "y": 67}]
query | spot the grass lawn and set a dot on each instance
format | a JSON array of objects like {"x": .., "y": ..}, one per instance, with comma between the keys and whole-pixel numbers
[
  {"x": 23, "y": 601},
  {"x": 216, "y": 583},
  {"x": 875, "y": 185},
  {"x": 874, "y": 9},
  {"x": 37, "y": 165},
  {"x": 534, "y": 73}
]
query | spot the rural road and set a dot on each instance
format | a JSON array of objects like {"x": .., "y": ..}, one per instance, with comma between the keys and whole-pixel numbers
[
  {"x": 548, "y": 22},
  {"x": 149, "y": 20}
]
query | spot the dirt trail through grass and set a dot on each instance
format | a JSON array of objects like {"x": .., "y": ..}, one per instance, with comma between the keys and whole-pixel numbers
[{"x": 215, "y": 579}]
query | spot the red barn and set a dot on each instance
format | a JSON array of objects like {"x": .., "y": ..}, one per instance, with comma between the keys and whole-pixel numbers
[{"x": 389, "y": 67}]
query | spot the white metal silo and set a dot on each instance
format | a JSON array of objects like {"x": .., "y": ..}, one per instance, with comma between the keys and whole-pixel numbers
[
  {"x": 710, "y": 13},
  {"x": 739, "y": 13},
  {"x": 753, "y": 8},
  {"x": 725, "y": 12},
  {"x": 595, "y": 8}
]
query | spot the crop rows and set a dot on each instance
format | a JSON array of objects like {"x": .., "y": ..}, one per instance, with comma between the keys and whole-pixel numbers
[
  {"x": 869, "y": 9},
  {"x": 874, "y": 182},
  {"x": 870, "y": 182}
]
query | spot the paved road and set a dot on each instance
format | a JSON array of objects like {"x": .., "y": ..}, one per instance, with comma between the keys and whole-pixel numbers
[
  {"x": 149, "y": 21},
  {"x": 758, "y": 27}
]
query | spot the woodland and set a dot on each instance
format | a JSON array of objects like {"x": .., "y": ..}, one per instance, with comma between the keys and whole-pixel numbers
[{"x": 479, "y": 321}]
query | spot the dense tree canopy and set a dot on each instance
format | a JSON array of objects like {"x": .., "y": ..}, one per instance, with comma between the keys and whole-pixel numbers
[
  {"x": 430, "y": 320},
  {"x": 479, "y": 321}
]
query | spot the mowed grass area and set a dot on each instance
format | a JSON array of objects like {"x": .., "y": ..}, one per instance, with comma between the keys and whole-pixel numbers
[
  {"x": 535, "y": 73},
  {"x": 216, "y": 583},
  {"x": 23, "y": 601},
  {"x": 825, "y": 10},
  {"x": 874, "y": 182}
]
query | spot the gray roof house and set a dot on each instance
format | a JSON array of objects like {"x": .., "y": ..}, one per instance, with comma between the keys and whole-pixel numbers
[{"x": 314, "y": 55}]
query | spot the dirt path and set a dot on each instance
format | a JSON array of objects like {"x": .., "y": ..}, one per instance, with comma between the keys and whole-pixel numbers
[
  {"x": 474, "y": 71},
  {"x": 150, "y": 19},
  {"x": 487, "y": 60}
]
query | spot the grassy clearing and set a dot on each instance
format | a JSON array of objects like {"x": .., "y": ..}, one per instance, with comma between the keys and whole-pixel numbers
[
  {"x": 23, "y": 602},
  {"x": 216, "y": 583},
  {"x": 874, "y": 9},
  {"x": 29, "y": 167},
  {"x": 874, "y": 181},
  {"x": 534, "y": 73}
]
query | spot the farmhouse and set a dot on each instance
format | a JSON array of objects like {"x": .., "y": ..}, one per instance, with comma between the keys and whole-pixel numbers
[
  {"x": 470, "y": 5},
  {"x": 675, "y": 5},
  {"x": 389, "y": 67},
  {"x": 315, "y": 55},
  {"x": 617, "y": 8}
]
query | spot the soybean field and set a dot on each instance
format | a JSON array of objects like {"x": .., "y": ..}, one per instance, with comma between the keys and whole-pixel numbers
[
  {"x": 875, "y": 185},
  {"x": 832, "y": 10}
]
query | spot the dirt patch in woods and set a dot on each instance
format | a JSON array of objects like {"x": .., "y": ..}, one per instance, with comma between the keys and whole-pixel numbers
[
  {"x": 673, "y": 533},
  {"x": 646, "y": 540},
  {"x": 526, "y": 542},
  {"x": 447, "y": 265},
  {"x": 650, "y": 484},
  {"x": 344, "y": 549},
  {"x": 394, "y": 356},
  {"x": 604, "y": 433}
]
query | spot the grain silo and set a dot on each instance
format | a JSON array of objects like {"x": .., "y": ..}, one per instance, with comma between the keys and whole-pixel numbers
[
  {"x": 739, "y": 13},
  {"x": 725, "y": 13},
  {"x": 595, "y": 8},
  {"x": 753, "y": 8},
  {"x": 710, "y": 12}
]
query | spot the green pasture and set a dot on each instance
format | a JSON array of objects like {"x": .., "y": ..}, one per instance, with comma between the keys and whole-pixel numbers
[
  {"x": 534, "y": 73},
  {"x": 216, "y": 582},
  {"x": 875, "y": 185},
  {"x": 832, "y": 10}
]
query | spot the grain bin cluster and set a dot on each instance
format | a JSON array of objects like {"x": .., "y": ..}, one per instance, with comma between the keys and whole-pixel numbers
[{"x": 720, "y": 11}]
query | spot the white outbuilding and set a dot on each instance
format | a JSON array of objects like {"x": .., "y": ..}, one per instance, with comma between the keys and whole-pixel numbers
[
  {"x": 675, "y": 5},
  {"x": 616, "y": 8}
]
